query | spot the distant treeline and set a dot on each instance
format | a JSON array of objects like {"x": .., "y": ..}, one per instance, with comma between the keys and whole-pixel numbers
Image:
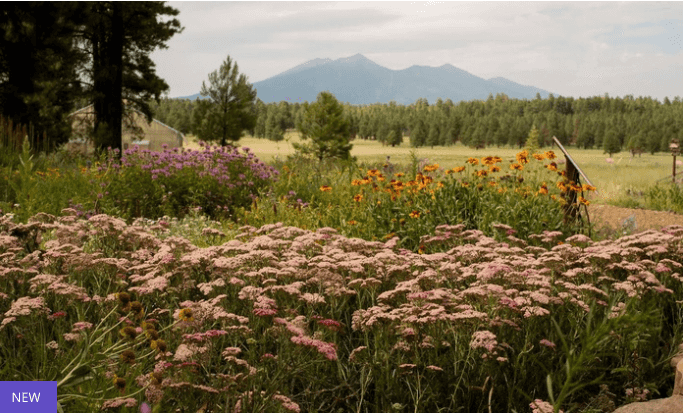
[{"x": 642, "y": 123}]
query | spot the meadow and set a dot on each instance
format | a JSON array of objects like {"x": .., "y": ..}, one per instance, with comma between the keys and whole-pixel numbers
[
  {"x": 244, "y": 280},
  {"x": 621, "y": 182}
]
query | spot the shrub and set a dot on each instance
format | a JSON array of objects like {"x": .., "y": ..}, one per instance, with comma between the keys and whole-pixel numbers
[
  {"x": 667, "y": 197},
  {"x": 172, "y": 182}
]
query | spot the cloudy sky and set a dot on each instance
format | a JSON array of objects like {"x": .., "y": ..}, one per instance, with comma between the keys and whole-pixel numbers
[{"x": 568, "y": 48}]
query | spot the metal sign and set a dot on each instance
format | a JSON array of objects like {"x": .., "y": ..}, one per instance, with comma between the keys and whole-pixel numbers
[{"x": 570, "y": 159}]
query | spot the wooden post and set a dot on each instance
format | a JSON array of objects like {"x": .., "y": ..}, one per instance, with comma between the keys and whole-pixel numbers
[
  {"x": 570, "y": 196},
  {"x": 674, "y": 147}
]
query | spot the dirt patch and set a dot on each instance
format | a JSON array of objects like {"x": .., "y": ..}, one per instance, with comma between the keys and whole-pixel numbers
[{"x": 611, "y": 218}]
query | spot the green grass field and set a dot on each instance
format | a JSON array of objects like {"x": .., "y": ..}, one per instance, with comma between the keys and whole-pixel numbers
[{"x": 621, "y": 182}]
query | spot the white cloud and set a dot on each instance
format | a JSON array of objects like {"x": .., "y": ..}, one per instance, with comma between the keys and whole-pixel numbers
[{"x": 571, "y": 48}]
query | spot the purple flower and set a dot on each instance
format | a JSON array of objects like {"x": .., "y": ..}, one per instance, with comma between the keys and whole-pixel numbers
[{"x": 145, "y": 408}]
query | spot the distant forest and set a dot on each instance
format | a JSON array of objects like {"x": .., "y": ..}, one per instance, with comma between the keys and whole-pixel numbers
[{"x": 613, "y": 124}]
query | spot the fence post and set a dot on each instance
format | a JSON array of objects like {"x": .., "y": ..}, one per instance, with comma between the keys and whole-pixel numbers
[
  {"x": 674, "y": 147},
  {"x": 569, "y": 207}
]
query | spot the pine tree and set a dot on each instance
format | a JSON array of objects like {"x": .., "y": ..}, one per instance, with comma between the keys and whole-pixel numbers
[
  {"x": 228, "y": 112},
  {"x": 532, "y": 141},
  {"x": 324, "y": 124}
]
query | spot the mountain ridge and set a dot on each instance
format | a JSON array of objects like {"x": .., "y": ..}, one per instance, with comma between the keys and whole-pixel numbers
[{"x": 359, "y": 80}]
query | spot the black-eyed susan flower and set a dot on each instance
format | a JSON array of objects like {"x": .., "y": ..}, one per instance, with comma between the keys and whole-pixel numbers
[
  {"x": 516, "y": 166},
  {"x": 399, "y": 174},
  {"x": 494, "y": 168},
  {"x": 123, "y": 298},
  {"x": 119, "y": 383},
  {"x": 584, "y": 201},
  {"x": 325, "y": 188},
  {"x": 472, "y": 161},
  {"x": 458, "y": 168},
  {"x": 481, "y": 172},
  {"x": 186, "y": 314},
  {"x": 358, "y": 198},
  {"x": 128, "y": 357},
  {"x": 415, "y": 214},
  {"x": 356, "y": 182},
  {"x": 156, "y": 378},
  {"x": 587, "y": 187},
  {"x": 538, "y": 157},
  {"x": 552, "y": 166},
  {"x": 431, "y": 168},
  {"x": 128, "y": 333},
  {"x": 543, "y": 190},
  {"x": 550, "y": 155}
]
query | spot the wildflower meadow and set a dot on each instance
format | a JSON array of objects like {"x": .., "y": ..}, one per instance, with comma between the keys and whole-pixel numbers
[{"x": 208, "y": 281}]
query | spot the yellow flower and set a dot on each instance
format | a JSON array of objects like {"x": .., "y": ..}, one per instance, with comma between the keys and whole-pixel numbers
[
  {"x": 415, "y": 214},
  {"x": 186, "y": 314},
  {"x": 352, "y": 222},
  {"x": 550, "y": 155},
  {"x": 356, "y": 182},
  {"x": 472, "y": 161},
  {"x": 358, "y": 197},
  {"x": 538, "y": 157},
  {"x": 523, "y": 157},
  {"x": 488, "y": 160},
  {"x": 458, "y": 168},
  {"x": 448, "y": 171},
  {"x": 399, "y": 174},
  {"x": 553, "y": 197},
  {"x": 584, "y": 201},
  {"x": 516, "y": 166},
  {"x": 481, "y": 172},
  {"x": 495, "y": 168},
  {"x": 381, "y": 178},
  {"x": 326, "y": 188},
  {"x": 465, "y": 184},
  {"x": 543, "y": 190},
  {"x": 372, "y": 172},
  {"x": 431, "y": 168},
  {"x": 493, "y": 183},
  {"x": 552, "y": 166},
  {"x": 587, "y": 187},
  {"x": 440, "y": 184}
]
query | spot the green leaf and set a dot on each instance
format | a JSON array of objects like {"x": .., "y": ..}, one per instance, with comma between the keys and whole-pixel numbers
[{"x": 549, "y": 384}]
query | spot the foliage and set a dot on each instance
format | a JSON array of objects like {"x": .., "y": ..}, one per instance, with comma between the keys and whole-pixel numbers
[
  {"x": 324, "y": 125},
  {"x": 123, "y": 314},
  {"x": 665, "y": 197},
  {"x": 532, "y": 140},
  {"x": 408, "y": 202},
  {"x": 38, "y": 68},
  {"x": 152, "y": 184},
  {"x": 229, "y": 111}
]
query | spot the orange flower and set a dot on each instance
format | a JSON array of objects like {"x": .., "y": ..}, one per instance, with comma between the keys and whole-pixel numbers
[
  {"x": 523, "y": 157},
  {"x": 550, "y": 155},
  {"x": 494, "y": 168},
  {"x": 538, "y": 157},
  {"x": 415, "y": 214},
  {"x": 552, "y": 166},
  {"x": 356, "y": 182},
  {"x": 543, "y": 190},
  {"x": 516, "y": 166},
  {"x": 372, "y": 172},
  {"x": 358, "y": 197},
  {"x": 587, "y": 187},
  {"x": 185, "y": 314},
  {"x": 431, "y": 168},
  {"x": 399, "y": 174},
  {"x": 326, "y": 188},
  {"x": 465, "y": 184},
  {"x": 352, "y": 222},
  {"x": 458, "y": 168},
  {"x": 584, "y": 201},
  {"x": 472, "y": 161},
  {"x": 481, "y": 172}
]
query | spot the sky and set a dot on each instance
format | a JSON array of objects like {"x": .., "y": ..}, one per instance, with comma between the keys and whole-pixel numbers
[{"x": 576, "y": 49}]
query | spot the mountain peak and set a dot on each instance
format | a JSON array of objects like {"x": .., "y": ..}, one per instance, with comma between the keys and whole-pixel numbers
[{"x": 357, "y": 58}]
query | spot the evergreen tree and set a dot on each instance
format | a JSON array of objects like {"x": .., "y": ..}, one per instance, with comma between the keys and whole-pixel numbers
[
  {"x": 323, "y": 123},
  {"x": 120, "y": 37},
  {"x": 228, "y": 112},
  {"x": 611, "y": 142},
  {"x": 418, "y": 134},
  {"x": 532, "y": 144}
]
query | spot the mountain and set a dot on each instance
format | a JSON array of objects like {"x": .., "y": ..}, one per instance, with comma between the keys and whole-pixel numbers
[{"x": 360, "y": 81}]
